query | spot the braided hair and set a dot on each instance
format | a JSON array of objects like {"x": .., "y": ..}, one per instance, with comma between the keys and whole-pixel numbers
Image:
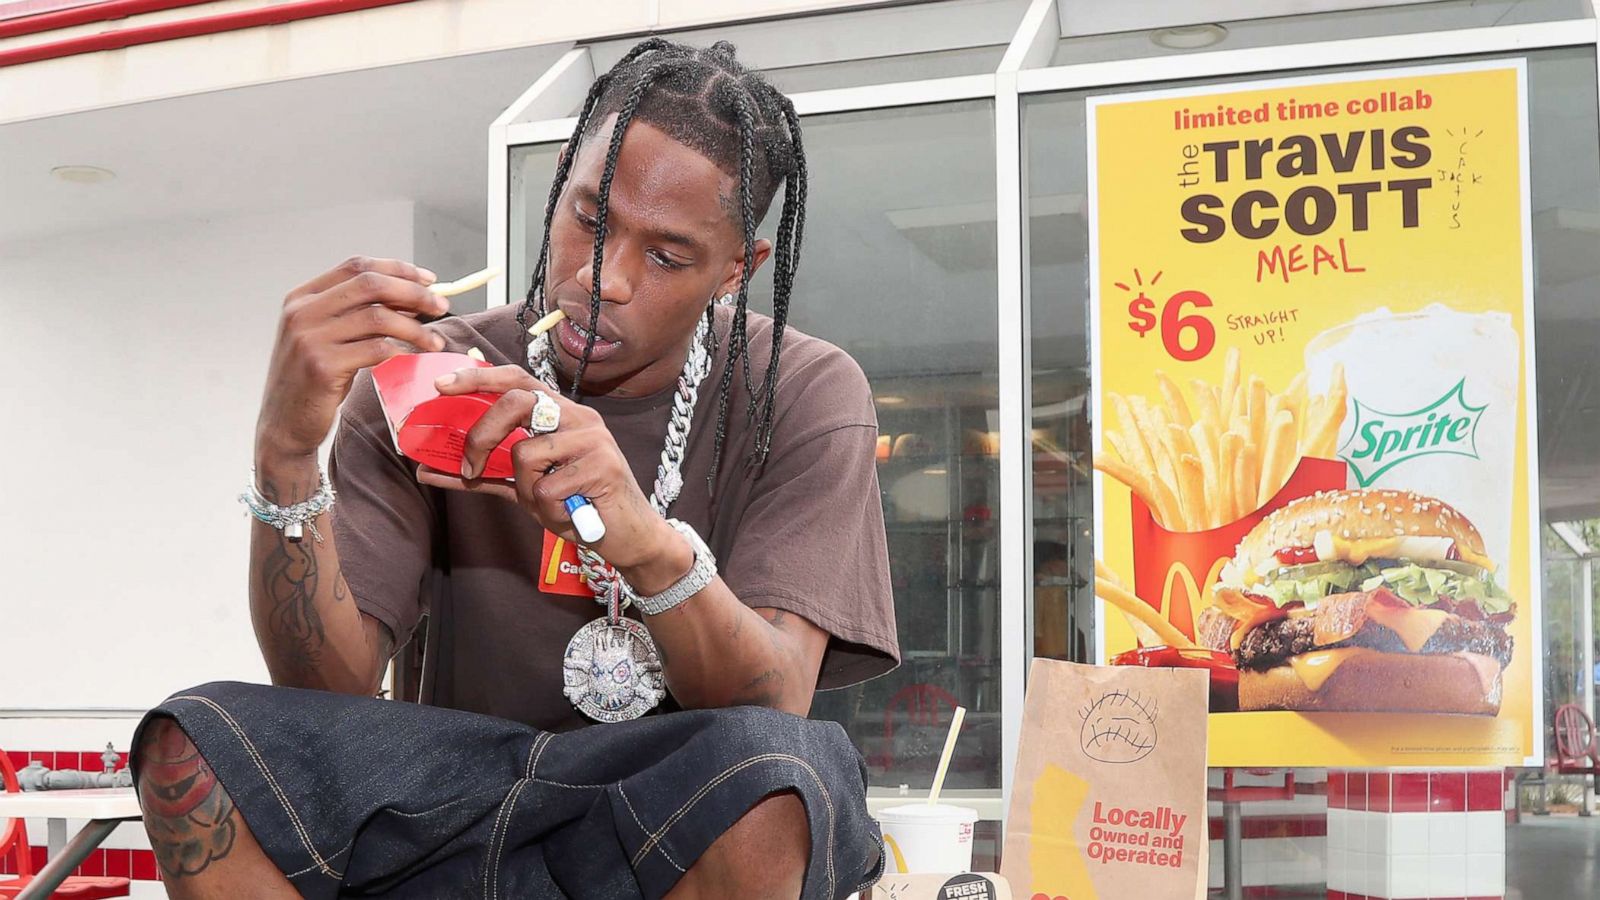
[{"x": 705, "y": 99}]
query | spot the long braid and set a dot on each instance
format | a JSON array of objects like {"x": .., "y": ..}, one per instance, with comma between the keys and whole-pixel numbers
[
  {"x": 791, "y": 233},
  {"x": 563, "y": 169},
  {"x": 709, "y": 102},
  {"x": 603, "y": 200},
  {"x": 738, "y": 339}
]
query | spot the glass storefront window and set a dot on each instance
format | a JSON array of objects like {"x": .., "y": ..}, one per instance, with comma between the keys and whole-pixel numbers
[
  {"x": 1380, "y": 20},
  {"x": 898, "y": 269},
  {"x": 1564, "y": 138}
]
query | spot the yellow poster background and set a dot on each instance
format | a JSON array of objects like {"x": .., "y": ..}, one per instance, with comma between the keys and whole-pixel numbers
[{"x": 1468, "y": 249}]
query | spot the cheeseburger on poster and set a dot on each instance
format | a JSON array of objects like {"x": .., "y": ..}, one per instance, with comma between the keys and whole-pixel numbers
[{"x": 1363, "y": 600}]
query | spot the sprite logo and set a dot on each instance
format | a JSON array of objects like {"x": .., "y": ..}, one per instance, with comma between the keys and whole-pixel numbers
[{"x": 1382, "y": 440}]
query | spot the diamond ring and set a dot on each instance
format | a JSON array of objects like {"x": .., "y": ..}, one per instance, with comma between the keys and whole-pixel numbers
[{"x": 546, "y": 414}]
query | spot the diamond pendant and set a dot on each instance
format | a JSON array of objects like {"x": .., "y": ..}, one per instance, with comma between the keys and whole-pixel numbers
[{"x": 611, "y": 671}]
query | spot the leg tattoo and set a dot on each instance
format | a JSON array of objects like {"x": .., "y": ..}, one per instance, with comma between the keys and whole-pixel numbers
[{"x": 190, "y": 818}]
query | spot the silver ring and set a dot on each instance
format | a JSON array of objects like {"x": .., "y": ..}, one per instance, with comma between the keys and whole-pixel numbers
[{"x": 546, "y": 415}]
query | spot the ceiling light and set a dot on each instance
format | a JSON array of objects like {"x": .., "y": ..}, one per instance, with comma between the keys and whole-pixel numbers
[
  {"x": 889, "y": 400},
  {"x": 1189, "y": 37},
  {"x": 83, "y": 174}
]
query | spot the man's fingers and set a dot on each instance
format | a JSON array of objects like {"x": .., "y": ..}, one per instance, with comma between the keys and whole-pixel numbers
[
  {"x": 380, "y": 321},
  {"x": 495, "y": 380},
  {"x": 436, "y": 478},
  {"x": 367, "y": 288},
  {"x": 547, "y": 494},
  {"x": 355, "y": 265},
  {"x": 368, "y": 353},
  {"x": 512, "y": 410}
]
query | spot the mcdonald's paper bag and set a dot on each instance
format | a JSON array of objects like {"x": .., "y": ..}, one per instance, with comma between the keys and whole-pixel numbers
[{"x": 1109, "y": 799}]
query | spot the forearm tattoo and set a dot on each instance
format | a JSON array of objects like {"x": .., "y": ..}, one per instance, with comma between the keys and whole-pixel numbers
[
  {"x": 191, "y": 820},
  {"x": 289, "y": 580},
  {"x": 767, "y": 688}
]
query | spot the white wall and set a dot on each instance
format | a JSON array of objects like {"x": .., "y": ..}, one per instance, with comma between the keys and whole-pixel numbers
[{"x": 132, "y": 365}]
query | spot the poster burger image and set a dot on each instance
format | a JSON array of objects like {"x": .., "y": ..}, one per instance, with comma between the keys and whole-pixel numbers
[{"x": 1363, "y": 601}]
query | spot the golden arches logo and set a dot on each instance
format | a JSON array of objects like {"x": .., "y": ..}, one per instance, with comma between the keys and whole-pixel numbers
[{"x": 1181, "y": 611}]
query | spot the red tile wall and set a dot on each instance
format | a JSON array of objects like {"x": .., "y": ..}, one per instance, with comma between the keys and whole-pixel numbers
[
  {"x": 139, "y": 865},
  {"x": 1399, "y": 792},
  {"x": 1343, "y": 895}
]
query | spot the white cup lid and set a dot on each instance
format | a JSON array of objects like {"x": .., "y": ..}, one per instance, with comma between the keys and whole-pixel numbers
[{"x": 928, "y": 812}]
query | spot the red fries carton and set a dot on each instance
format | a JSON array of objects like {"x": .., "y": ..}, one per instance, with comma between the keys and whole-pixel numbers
[
  {"x": 431, "y": 428},
  {"x": 1173, "y": 570}
]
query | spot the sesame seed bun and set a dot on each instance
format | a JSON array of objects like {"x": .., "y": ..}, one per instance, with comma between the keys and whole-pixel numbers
[{"x": 1357, "y": 515}]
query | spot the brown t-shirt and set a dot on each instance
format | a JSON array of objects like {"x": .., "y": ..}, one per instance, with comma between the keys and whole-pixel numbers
[{"x": 804, "y": 535}]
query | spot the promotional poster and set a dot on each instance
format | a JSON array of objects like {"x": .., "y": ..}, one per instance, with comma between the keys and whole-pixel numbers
[{"x": 1313, "y": 370}]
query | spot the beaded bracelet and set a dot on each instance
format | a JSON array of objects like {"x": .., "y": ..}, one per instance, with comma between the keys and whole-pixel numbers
[{"x": 291, "y": 520}]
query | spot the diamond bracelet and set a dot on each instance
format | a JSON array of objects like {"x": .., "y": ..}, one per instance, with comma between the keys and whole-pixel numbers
[{"x": 291, "y": 520}]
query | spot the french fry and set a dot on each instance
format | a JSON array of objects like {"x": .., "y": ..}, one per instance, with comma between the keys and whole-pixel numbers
[
  {"x": 1205, "y": 398},
  {"x": 1246, "y": 474},
  {"x": 1192, "y": 489},
  {"x": 1232, "y": 446},
  {"x": 1309, "y": 424},
  {"x": 1211, "y": 479},
  {"x": 1182, "y": 442},
  {"x": 1295, "y": 394},
  {"x": 1230, "y": 384},
  {"x": 462, "y": 285},
  {"x": 1139, "y": 483},
  {"x": 1257, "y": 414},
  {"x": 1117, "y": 444},
  {"x": 1101, "y": 570},
  {"x": 1325, "y": 442},
  {"x": 1179, "y": 443},
  {"x": 1277, "y": 459},
  {"x": 1152, "y": 422},
  {"x": 546, "y": 322},
  {"x": 1147, "y": 635},
  {"x": 1174, "y": 398},
  {"x": 1138, "y": 454},
  {"x": 1122, "y": 599}
]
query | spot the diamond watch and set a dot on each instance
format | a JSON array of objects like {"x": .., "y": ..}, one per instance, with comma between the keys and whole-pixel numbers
[{"x": 700, "y": 575}]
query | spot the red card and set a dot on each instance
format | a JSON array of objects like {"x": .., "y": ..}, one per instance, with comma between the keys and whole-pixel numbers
[
  {"x": 431, "y": 428},
  {"x": 560, "y": 571}
]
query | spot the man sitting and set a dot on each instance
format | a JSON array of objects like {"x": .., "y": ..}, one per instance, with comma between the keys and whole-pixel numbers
[{"x": 743, "y": 563}]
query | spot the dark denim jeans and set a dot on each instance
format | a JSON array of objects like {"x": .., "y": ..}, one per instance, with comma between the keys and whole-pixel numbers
[{"x": 352, "y": 796}]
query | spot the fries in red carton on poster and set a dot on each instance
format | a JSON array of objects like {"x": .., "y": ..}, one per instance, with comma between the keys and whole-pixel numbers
[{"x": 429, "y": 427}]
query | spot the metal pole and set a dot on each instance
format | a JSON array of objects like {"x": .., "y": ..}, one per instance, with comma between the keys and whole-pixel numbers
[
  {"x": 1586, "y": 632},
  {"x": 1233, "y": 850},
  {"x": 76, "y": 851},
  {"x": 56, "y": 837}
]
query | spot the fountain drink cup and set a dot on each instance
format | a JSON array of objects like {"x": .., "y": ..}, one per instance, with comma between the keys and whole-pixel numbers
[
  {"x": 922, "y": 837},
  {"x": 1432, "y": 408}
]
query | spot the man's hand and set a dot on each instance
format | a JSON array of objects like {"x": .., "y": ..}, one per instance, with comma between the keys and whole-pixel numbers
[
  {"x": 579, "y": 457},
  {"x": 717, "y": 651},
  {"x": 334, "y": 325}
]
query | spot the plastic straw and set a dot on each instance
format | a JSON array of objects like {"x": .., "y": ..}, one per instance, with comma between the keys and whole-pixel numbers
[{"x": 944, "y": 758}]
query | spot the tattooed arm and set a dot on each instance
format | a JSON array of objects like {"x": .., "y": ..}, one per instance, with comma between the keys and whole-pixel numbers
[
  {"x": 351, "y": 317},
  {"x": 310, "y": 631}
]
